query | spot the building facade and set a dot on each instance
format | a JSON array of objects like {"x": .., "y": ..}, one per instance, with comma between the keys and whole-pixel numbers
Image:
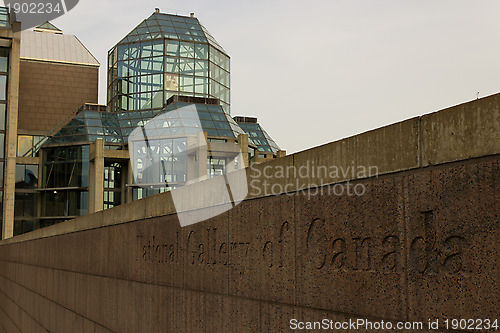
[
  {"x": 57, "y": 75},
  {"x": 70, "y": 156}
]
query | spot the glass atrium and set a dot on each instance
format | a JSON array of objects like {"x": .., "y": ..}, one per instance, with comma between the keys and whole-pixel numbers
[
  {"x": 115, "y": 127},
  {"x": 166, "y": 64},
  {"x": 257, "y": 134},
  {"x": 166, "y": 55},
  {"x": 167, "y": 131}
]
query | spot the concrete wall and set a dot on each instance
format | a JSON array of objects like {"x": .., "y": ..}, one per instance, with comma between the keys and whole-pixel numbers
[
  {"x": 420, "y": 244},
  {"x": 52, "y": 91}
]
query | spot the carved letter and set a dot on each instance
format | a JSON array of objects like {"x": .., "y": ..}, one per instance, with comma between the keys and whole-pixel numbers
[
  {"x": 390, "y": 258},
  {"x": 339, "y": 247},
  {"x": 418, "y": 256},
  {"x": 452, "y": 263},
  {"x": 267, "y": 253},
  {"x": 281, "y": 241},
  {"x": 223, "y": 254},
  {"x": 362, "y": 257},
  {"x": 201, "y": 255},
  {"x": 193, "y": 253},
  {"x": 316, "y": 243}
]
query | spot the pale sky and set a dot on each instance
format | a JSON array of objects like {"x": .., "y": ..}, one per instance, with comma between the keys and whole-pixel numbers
[{"x": 313, "y": 71}]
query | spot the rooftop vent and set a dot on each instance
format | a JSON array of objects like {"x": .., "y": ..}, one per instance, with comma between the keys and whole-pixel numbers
[
  {"x": 48, "y": 27},
  {"x": 193, "y": 100},
  {"x": 157, "y": 10},
  {"x": 240, "y": 119},
  {"x": 191, "y": 14}
]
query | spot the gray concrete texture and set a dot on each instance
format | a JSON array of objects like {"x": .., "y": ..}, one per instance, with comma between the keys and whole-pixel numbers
[{"x": 420, "y": 243}]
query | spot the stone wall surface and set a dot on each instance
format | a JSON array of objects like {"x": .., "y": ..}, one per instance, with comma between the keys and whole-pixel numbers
[
  {"x": 420, "y": 244},
  {"x": 415, "y": 247}
]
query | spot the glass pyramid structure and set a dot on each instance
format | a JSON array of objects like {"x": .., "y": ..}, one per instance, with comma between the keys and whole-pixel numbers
[
  {"x": 115, "y": 127},
  {"x": 257, "y": 134},
  {"x": 48, "y": 26},
  {"x": 170, "y": 26},
  {"x": 166, "y": 55}
]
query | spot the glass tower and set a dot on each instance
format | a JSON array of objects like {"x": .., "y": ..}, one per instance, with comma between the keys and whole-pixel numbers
[{"x": 163, "y": 56}]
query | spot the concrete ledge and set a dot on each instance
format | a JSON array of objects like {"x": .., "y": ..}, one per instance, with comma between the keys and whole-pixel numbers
[
  {"x": 464, "y": 131},
  {"x": 27, "y": 160},
  {"x": 117, "y": 154}
]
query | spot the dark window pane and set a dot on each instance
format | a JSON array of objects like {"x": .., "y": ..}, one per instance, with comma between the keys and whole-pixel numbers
[
  {"x": 4, "y": 56},
  {"x": 2, "y": 116},
  {"x": 2, "y": 145},
  {"x": 3, "y": 87}
]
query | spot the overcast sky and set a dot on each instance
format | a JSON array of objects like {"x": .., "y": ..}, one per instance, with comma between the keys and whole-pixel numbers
[{"x": 317, "y": 71}]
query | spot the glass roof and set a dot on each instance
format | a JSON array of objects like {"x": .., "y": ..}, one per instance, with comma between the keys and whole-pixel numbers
[
  {"x": 48, "y": 26},
  {"x": 169, "y": 26},
  {"x": 213, "y": 119},
  {"x": 260, "y": 137},
  {"x": 115, "y": 127}
]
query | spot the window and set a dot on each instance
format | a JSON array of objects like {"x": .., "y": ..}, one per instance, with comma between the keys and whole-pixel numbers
[
  {"x": 2, "y": 116},
  {"x": 26, "y": 176},
  {"x": 25, "y": 205},
  {"x": 4, "y": 59},
  {"x": 3, "y": 87},
  {"x": 2, "y": 145},
  {"x": 65, "y": 167}
]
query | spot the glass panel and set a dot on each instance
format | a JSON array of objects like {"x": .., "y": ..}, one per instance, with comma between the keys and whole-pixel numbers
[
  {"x": 24, "y": 144},
  {"x": 2, "y": 117},
  {"x": 186, "y": 66},
  {"x": 201, "y": 85},
  {"x": 171, "y": 82},
  {"x": 204, "y": 115},
  {"x": 2, "y": 145},
  {"x": 157, "y": 64},
  {"x": 157, "y": 48},
  {"x": 156, "y": 82},
  {"x": 122, "y": 52},
  {"x": 211, "y": 132},
  {"x": 146, "y": 49},
  {"x": 172, "y": 48},
  {"x": 181, "y": 24},
  {"x": 157, "y": 100},
  {"x": 4, "y": 56},
  {"x": 25, "y": 204},
  {"x": 201, "y": 68},
  {"x": 225, "y": 95},
  {"x": 172, "y": 65},
  {"x": 207, "y": 124},
  {"x": 26, "y": 176},
  {"x": 65, "y": 203},
  {"x": 3, "y": 87},
  {"x": 218, "y": 116},
  {"x": 201, "y": 51},
  {"x": 146, "y": 65},
  {"x": 186, "y": 84},
  {"x": 222, "y": 125},
  {"x": 227, "y": 133},
  {"x": 134, "y": 50},
  {"x": 224, "y": 78},
  {"x": 187, "y": 50}
]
